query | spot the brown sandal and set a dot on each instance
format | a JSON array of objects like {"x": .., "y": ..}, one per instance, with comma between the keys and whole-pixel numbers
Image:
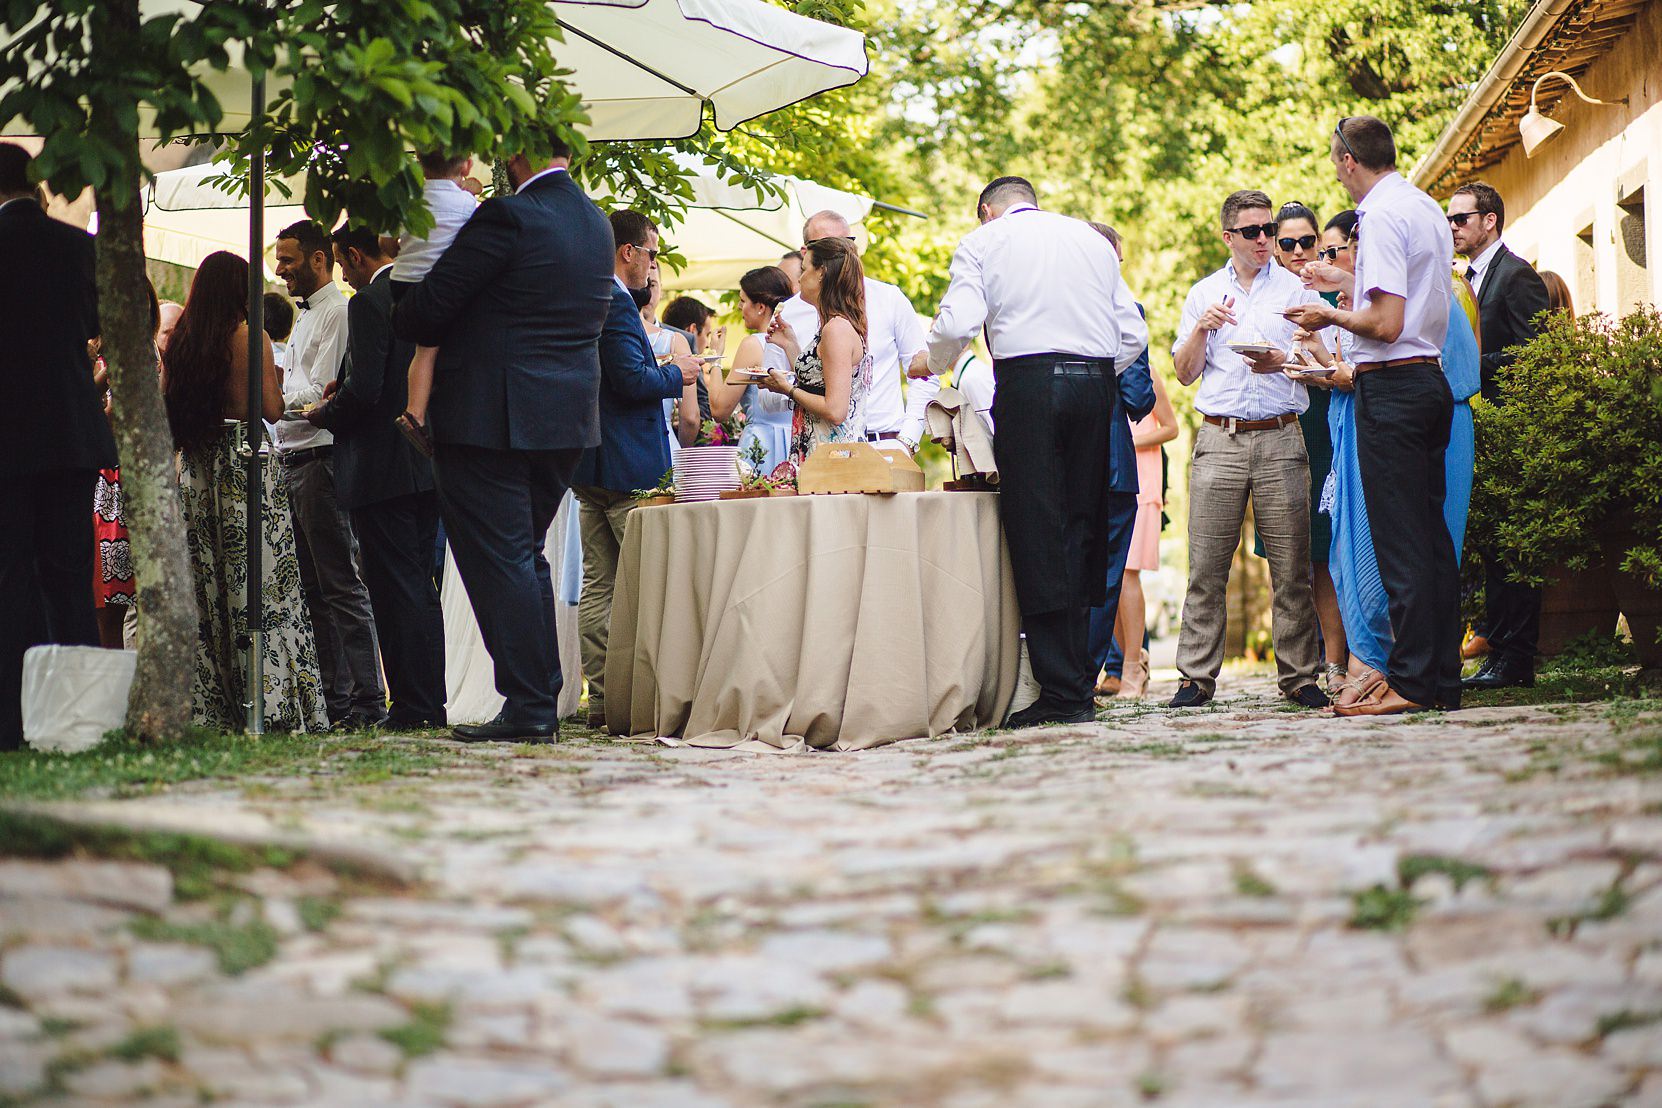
[{"x": 416, "y": 431}]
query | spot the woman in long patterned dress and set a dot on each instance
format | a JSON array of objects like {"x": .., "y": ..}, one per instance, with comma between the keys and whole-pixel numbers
[
  {"x": 204, "y": 381},
  {"x": 833, "y": 375}
]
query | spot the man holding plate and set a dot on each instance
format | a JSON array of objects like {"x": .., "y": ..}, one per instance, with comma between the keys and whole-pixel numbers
[{"x": 1233, "y": 340}]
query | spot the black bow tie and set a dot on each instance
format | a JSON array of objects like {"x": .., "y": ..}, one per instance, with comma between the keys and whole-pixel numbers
[{"x": 303, "y": 305}]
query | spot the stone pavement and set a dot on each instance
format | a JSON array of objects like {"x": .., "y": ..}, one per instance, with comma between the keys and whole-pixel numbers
[{"x": 1240, "y": 905}]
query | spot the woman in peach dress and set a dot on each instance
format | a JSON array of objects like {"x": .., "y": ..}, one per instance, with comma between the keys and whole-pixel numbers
[{"x": 1148, "y": 433}]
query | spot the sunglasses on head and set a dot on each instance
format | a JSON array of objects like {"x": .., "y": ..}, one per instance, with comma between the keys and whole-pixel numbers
[
  {"x": 1302, "y": 242},
  {"x": 1340, "y": 131},
  {"x": 1251, "y": 233},
  {"x": 1458, "y": 219},
  {"x": 1330, "y": 253}
]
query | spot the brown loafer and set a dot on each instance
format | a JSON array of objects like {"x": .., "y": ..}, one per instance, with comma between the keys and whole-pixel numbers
[{"x": 1388, "y": 702}]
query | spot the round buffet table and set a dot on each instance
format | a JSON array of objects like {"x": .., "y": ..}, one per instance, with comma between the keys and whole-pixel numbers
[{"x": 825, "y": 622}]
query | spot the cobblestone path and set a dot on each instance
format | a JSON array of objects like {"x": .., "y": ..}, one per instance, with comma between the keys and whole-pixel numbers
[{"x": 1236, "y": 906}]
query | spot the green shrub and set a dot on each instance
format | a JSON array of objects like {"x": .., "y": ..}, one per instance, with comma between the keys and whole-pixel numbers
[{"x": 1575, "y": 449}]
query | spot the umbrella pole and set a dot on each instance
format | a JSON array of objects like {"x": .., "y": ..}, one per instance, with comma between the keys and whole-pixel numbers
[{"x": 255, "y": 436}]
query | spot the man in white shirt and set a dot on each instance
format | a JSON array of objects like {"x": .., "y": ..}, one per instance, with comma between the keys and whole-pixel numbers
[
  {"x": 1404, "y": 410},
  {"x": 342, "y": 621},
  {"x": 894, "y": 337},
  {"x": 1060, "y": 325},
  {"x": 1249, "y": 447}
]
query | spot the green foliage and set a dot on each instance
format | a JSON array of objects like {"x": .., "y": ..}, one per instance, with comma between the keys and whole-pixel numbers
[
  {"x": 148, "y": 1042},
  {"x": 424, "y": 1033},
  {"x": 239, "y": 946},
  {"x": 1509, "y": 994},
  {"x": 1412, "y": 867},
  {"x": 1576, "y": 449},
  {"x": 1382, "y": 909}
]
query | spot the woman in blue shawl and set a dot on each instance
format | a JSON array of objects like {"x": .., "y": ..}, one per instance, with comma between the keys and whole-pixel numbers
[{"x": 1362, "y": 600}]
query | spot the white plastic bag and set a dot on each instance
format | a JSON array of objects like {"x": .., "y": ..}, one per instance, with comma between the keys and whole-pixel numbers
[{"x": 72, "y": 695}]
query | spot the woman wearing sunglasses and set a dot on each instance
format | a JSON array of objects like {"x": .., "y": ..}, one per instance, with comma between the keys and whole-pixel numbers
[{"x": 1295, "y": 248}]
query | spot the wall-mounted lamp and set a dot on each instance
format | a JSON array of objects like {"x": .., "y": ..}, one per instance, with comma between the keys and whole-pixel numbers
[{"x": 1536, "y": 128}]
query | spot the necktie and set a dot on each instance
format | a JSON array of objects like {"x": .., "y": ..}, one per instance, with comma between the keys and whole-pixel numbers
[
  {"x": 1471, "y": 274},
  {"x": 305, "y": 305}
]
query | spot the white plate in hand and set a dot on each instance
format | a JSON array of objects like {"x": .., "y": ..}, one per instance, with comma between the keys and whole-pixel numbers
[{"x": 1252, "y": 348}]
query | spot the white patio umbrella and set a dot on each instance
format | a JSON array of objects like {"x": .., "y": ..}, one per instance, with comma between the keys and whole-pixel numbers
[{"x": 727, "y": 230}]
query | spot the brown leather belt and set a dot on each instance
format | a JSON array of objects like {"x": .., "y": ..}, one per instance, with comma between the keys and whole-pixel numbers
[
  {"x": 1231, "y": 424},
  {"x": 1369, "y": 367}
]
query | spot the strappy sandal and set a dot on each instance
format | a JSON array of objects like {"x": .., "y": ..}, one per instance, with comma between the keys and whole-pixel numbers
[
  {"x": 1367, "y": 686},
  {"x": 416, "y": 431}
]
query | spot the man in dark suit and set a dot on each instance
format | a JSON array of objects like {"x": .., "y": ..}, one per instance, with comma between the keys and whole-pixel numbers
[
  {"x": 634, "y": 441},
  {"x": 53, "y": 435},
  {"x": 1510, "y": 294},
  {"x": 387, "y": 486},
  {"x": 515, "y": 306}
]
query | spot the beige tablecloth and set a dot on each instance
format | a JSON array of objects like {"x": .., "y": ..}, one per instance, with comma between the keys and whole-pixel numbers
[{"x": 834, "y": 622}]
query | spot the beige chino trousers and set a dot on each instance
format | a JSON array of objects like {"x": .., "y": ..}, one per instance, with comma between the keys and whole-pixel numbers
[{"x": 602, "y": 516}]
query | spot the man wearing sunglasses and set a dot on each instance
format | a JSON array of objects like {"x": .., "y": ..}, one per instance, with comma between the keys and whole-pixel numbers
[
  {"x": 1250, "y": 447},
  {"x": 1404, "y": 412},
  {"x": 1510, "y": 294}
]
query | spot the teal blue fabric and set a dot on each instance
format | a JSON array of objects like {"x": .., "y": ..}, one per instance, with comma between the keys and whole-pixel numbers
[{"x": 1362, "y": 601}]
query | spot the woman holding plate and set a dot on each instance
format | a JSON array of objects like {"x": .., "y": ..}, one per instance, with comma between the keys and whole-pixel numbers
[
  {"x": 768, "y": 415},
  {"x": 833, "y": 376}
]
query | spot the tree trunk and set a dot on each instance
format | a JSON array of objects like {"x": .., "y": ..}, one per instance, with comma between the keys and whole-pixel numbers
[{"x": 159, "y": 706}]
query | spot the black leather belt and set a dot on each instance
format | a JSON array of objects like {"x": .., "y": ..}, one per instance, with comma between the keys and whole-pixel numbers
[
  {"x": 880, "y": 436},
  {"x": 310, "y": 454}
]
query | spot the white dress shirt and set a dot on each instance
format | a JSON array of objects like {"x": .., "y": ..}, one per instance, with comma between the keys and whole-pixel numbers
[
  {"x": 315, "y": 352},
  {"x": 1228, "y": 387},
  {"x": 1480, "y": 266},
  {"x": 1406, "y": 250},
  {"x": 974, "y": 378},
  {"x": 452, "y": 206},
  {"x": 894, "y": 335},
  {"x": 1038, "y": 283},
  {"x": 525, "y": 184}
]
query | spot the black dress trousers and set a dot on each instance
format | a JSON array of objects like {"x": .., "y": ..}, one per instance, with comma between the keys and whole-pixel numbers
[
  {"x": 1053, "y": 413},
  {"x": 1403, "y": 415},
  {"x": 395, "y": 542}
]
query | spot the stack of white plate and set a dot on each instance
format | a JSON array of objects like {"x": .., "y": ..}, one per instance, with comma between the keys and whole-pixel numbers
[{"x": 705, "y": 472}]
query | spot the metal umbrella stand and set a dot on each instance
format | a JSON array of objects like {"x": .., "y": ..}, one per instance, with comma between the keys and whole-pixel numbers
[{"x": 254, "y": 439}]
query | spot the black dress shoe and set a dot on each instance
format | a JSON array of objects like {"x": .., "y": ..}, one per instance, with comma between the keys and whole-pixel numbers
[
  {"x": 1309, "y": 696},
  {"x": 500, "y": 730},
  {"x": 1501, "y": 675},
  {"x": 1189, "y": 695},
  {"x": 412, "y": 723},
  {"x": 359, "y": 721},
  {"x": 1038, "y": 713}
]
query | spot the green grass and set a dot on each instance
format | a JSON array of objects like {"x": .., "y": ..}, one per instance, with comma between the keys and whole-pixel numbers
[
  {"x": 424, "y": 1033},
  {"x": 1382, "y": 909},
  {"x": 1412, "y": 867},
  {"x": 1508, "y": 994},
  {"x": 199, "y": 865},
  {"x": 1248, "y": 883},
  {"x": 238, "y": 946},
  {"x": 148, "y": 1042},
  {"x": 317, "y": 912},
  {"x": 790, "y": 1017},
  {"x": 1626, "y": 1020},
  {"x": 120, "y": 766}
]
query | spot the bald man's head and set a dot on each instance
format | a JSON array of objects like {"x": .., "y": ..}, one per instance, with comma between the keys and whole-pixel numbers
[{"x": 826, "y": 225}]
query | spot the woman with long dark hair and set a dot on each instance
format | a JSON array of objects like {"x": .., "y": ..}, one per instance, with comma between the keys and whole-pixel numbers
[
  {"x": 205, "y": 385},
  {"x": 833, "y": 376}
]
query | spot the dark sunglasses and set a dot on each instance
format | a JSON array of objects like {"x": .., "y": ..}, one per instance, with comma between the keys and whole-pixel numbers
[
  {"x": 652, "y": 254},
  {"x": 1340, "y": 131},
  {"x": 1303, "y": 242},
  {"x": 1330, "y": 253},
  {"x": 1251, "y": 233},
  {"x": 1458, "y": 219}
]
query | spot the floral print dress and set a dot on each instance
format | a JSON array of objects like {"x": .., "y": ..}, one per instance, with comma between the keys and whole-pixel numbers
[
  {"x": 213, "y": 491},
  {"x": 808, "y": 431}
]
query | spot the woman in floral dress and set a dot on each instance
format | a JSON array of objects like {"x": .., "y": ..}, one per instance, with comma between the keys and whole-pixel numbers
[
  {"x": 833, "y": 376},
  {"x": 204, "y": 381}
]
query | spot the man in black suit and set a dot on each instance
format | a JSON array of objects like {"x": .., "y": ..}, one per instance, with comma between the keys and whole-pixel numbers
[
  {"x": 1510, "y": 294},
  {"x": 387, "y": 486},
  {"x": 53, "y": 435},
  {"x": 515, "y": 306}
]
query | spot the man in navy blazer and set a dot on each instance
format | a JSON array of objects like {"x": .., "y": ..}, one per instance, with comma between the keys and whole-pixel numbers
[
  {"x": 53, "y": 434},
  {"x": 387, "y": 486},
  {"x": 515, "y": 306},
  {"x": 634, "y": 441}
]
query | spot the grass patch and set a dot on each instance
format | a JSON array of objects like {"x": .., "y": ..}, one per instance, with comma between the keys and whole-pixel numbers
[
  {"x": 1048, "y": 971},
  {"x": 1626, "y": 1020},
  {"x": 1382, "y": 909},
  {"x": 424, "y": 1033},
  {"x": 1611, "y": 903},
  {"x": 1508, "y": 994},
  {"x": 1412, "y": 867},
  {"x": 198, "y": 864},
  {"x": 317, "y": 912},
  {"x": 54, "y": 1027},
  {"x": 238, "y": 946},
  {"x": 120, "y": 766},
  {"x": 1151, "y": 1086},
  {"x": 791, "y": 1017},
  {"x": 1249, "y": 883},
  {"x": 148, "y": 1042}
]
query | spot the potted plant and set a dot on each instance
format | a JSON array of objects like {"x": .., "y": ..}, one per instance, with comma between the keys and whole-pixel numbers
[
  {"x": 664, "y": 493},
  {"x": 780, "y": 482},
  {"x": 1569, "y": 476},
  {"x": 710, "y": 466}
]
